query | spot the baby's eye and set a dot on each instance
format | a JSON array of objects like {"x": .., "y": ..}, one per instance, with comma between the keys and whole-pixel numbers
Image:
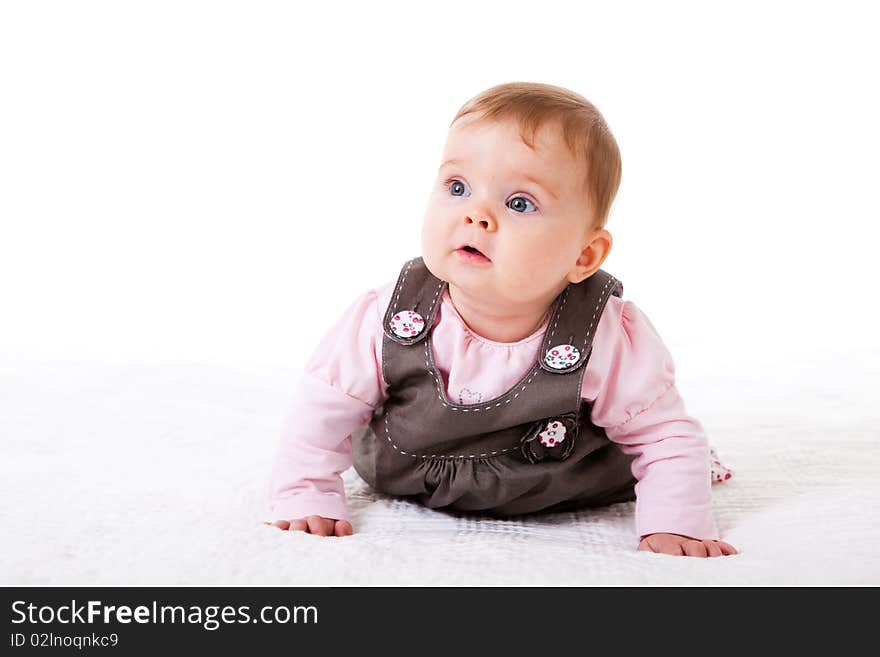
[
  {"x": 455, "y": 186},
  {"x": 519, "y": 202}
]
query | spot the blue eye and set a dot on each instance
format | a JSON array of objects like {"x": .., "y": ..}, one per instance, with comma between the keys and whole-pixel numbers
[
  {"x": 454, "y": 186},
  {"x": 457, "y": 188},
  {"x": 519, "y": 200}
]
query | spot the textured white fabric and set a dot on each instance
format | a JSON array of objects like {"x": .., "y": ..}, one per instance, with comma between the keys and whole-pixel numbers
[{"x": 157, "y": 474}]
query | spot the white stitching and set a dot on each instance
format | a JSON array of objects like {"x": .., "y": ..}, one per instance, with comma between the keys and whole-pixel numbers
[
  {"x": 437, "y": 381},
  {"x": 557, "y": 314},
  {"x": 460, "y": 407},
  {"x": 487, "y": 408},
  {"x": 440, "y": 456},
  {"x": 427, "y": 317},
  {"x": 434, "y": 302},
  {"x": 599, "y": 303},
  {"x": 400, "y": 287}
]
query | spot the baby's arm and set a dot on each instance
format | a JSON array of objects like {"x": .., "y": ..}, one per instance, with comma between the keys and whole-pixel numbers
[
  {"x": 674, "y": 504},
  {"x": 306, "y": 489},
  {"x": 673, "y": 493},
  {"x": 338, "y": 392},
  {"x": 639, "y": 406}
]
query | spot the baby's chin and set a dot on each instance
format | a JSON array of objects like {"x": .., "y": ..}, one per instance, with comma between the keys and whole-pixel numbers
[{"x": 455, "y": 271}]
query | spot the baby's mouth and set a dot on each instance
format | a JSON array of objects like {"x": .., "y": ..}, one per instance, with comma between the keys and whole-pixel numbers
[{"x": 474, "y": 254}]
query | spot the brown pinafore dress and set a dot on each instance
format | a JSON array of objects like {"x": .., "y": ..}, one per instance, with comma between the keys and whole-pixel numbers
[{"x": 531, "y": 449}]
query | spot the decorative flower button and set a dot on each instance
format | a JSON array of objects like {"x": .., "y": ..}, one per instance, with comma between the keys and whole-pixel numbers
[
  {"x": 562, "y": 356},
  {"x": 550, "y": 438},
  {"x": 553, "y": 434},
  {"x": 407, "y": 324}
]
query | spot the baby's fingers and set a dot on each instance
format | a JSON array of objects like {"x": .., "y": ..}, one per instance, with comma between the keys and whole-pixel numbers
[
  {"x": 316, "y": 525},
  {"x": 713, "y": 548},
  {"x": 661, "y": 545},
  {"x": 694, "y": 549},
  {"x": 292, "y": 525},
  {"x": 320, "y": 526},
  {"x": 726, "y": 548},
  {"x": 299, "y": 525}
]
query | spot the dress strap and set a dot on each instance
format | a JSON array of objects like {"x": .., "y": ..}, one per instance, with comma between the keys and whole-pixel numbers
[
  {"x": 413, "y": 306},
  {"x": 569, "y": 338}
]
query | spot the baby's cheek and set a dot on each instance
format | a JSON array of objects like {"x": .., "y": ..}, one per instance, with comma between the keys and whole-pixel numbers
[
  {"x": 431, "y": 241},
  {"x": 534, "y": 264}
]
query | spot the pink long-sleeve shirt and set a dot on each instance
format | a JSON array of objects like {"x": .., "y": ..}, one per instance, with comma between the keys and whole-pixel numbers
[{"x": 629, "y": 378}]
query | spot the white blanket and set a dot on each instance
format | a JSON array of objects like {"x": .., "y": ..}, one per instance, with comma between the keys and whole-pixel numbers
[{"x": 152, "y": 474}]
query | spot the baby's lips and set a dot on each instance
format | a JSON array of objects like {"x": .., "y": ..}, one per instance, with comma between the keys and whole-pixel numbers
[{"x": 482, "y": 252}]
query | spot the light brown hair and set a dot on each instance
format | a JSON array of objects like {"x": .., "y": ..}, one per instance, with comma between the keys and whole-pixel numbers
[{"x": 587, "y": 136}]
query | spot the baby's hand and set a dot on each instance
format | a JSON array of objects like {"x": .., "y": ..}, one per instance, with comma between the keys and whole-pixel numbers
[
  {"x": 678, "y": 545},
  {"x": 316, "y": 525}
]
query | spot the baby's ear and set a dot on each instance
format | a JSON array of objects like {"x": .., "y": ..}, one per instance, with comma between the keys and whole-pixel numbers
[{"x": 596, "y": 248}]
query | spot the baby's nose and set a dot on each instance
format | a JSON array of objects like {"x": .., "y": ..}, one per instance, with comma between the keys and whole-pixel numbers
[{"x": 485, "y": 221}]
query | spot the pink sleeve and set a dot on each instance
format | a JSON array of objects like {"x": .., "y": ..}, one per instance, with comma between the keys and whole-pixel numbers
[
  {"x": 341, "y": 386},
  {"x": 631, "y": 377}
]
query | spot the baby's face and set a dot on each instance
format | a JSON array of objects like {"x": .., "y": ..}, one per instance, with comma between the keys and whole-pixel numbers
[{"x": 523, "y": 209}]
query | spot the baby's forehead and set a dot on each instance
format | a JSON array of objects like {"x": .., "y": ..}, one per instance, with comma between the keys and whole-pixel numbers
[
  {"x": 521, "y": 149},
  {"x": 504, "y": 146}
]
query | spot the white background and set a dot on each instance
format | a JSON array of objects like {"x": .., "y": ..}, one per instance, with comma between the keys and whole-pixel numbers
[
  {"x": 191, "y": 193},
  {"x": 217, "y": 181}
]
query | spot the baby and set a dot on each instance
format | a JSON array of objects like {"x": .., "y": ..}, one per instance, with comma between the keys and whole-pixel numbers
[{"x": 502, "y": 372}]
